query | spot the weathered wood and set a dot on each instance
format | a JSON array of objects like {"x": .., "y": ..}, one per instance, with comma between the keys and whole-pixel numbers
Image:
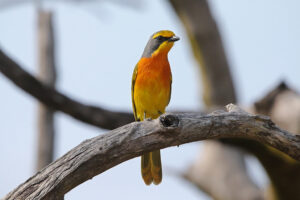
[
  {"x": 282, "y": 104},
  {"x": 100, "y": 153},
  {"x": 47, "y": 74},
  {"x": 57, "y": 101},
  {"x": 217, "y": 90}
]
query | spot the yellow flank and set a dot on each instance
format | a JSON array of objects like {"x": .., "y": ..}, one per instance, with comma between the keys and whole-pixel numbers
[{"x": 151, "y": 91}]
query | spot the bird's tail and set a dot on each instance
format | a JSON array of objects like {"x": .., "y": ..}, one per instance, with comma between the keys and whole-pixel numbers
[{"x": 151, "y": 167}]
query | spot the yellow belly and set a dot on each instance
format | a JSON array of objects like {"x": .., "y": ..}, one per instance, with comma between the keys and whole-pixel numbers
[
  {"x": 151, "y": 102},
  {"x": 151, "y": 97}
]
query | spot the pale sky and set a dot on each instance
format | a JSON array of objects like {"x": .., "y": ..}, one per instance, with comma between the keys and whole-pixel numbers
[{"x": 98, "y": 45}]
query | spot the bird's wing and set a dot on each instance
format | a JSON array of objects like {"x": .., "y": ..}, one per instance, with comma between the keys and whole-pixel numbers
[
  {"x": 134, "y": 75},
  {"x": 170, "y": 90}
]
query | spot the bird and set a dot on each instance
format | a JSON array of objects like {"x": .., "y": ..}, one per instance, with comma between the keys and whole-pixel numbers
[{"x": 151, "y": 93}]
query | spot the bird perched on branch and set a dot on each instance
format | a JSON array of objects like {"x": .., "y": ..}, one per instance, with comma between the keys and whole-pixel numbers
[{"x": 151, "y": 92}]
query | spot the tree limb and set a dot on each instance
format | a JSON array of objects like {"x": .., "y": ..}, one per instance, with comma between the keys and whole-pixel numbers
[
  {"x": 100, "y": 153},
  {"x": 52, "y": 98},
  {"x": 227, "y": 176},
  {"x": 282, "y": 104}
]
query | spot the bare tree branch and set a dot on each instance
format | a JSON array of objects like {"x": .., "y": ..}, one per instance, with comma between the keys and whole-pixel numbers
[
  {"x": 218, "y": 90},
  {"x": 53, "y": 99},
  {"x": 100, "y": 153},
  {"x": 282, "y": 104},
  {"x": 265, "y": 105}
]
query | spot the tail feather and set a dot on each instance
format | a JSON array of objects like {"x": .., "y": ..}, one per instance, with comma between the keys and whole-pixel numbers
[
  {"x": 151, "y": 167},
  {"x": 146, "y": 168},
  {"x": 156, "y": 169}
]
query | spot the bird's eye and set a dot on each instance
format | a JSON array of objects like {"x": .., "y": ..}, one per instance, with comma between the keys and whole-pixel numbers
[{"x": 160, "y": 38}]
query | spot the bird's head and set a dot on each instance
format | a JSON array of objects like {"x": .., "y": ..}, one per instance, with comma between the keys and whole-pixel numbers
[{"x": 160, "y": 43}]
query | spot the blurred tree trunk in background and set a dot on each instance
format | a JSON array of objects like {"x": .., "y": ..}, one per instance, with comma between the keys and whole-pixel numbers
[
  {"x": 228, "y": 177},
  {"x": 218, "y": 91},
  {"x": 206, "y": 42},
  {"x": 47, "y": 74}
]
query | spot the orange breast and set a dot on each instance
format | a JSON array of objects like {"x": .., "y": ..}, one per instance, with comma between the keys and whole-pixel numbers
[{"x": 152, "y": 87}]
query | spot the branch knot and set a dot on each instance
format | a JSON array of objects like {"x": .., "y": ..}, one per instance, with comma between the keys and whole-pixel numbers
[{"x": 169, "y": 120}]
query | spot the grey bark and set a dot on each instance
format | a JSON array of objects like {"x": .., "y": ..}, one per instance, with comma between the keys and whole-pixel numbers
[
  {"x": 47, "y": 75},
  {"x": 218, "y": 90},
  {"x": 100, "y": 153},
  {"x": 282, "y": 104}
]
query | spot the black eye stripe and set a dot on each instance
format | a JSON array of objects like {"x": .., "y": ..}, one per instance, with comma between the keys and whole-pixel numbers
[
  {"x": 153, "y": 44},
  {"x": 162, "y": 39}
]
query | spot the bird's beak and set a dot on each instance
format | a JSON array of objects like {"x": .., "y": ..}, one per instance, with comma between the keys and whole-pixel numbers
[{"x": 174, "y": 38}]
